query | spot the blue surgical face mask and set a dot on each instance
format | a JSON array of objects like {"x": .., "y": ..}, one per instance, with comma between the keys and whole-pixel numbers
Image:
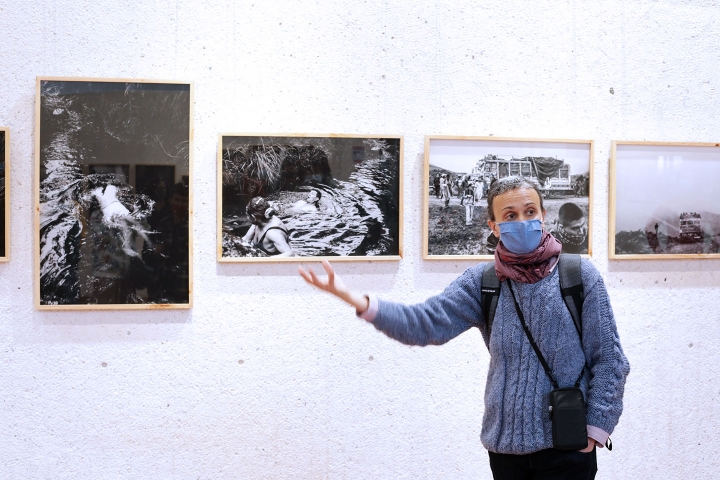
[{"x": 521, "y": 237}]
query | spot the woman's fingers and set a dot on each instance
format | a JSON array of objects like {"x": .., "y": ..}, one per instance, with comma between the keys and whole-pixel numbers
[
  {"x": 315, "y": 280},
  {"x": 305, "y": 275},
  {"x": 332, "y": 284},
  {"x": 311, "y": 277},
  {"x": 330, "y": 272}
]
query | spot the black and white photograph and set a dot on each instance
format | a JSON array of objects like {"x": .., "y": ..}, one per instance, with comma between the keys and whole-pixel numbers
[
  {"x": 460, "y": 170},
  {"x": 113, "y": 216},
  {"x": 301, "y": 197},
  {"x": 664, "y": 200},
  {"x": 4, "y": 201}
]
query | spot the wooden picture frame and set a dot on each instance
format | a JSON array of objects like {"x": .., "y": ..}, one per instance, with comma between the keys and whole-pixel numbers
[
  {"x": 314, "y": 197},
  {"x": 4, "y": 194},
  {"x": 460, "y": 167},
  {"x": 664, "y": 200},
  {"x": 105, "y": 239}
]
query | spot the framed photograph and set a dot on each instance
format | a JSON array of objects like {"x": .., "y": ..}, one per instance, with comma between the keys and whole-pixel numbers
[
  {"x": 4, "y": 194},
  {"x": 113, "y": 168},
  {"x": 309, "y": 197},
  {"x": 664, "y": 200},
  {"x": 458, "y": 175}
]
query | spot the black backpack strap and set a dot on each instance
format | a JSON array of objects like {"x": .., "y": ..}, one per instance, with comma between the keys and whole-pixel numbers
[
  {"x": 571, "y": 287},
  {"x": 489, "y": 294}
]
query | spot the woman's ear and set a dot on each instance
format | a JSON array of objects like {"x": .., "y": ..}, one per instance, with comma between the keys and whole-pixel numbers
[{"x": 494, "y": 227}]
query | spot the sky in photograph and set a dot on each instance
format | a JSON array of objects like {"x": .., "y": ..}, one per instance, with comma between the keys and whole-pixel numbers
[
  {"x": 662, "y": 181},
  {"x": 462, "y": 155}
]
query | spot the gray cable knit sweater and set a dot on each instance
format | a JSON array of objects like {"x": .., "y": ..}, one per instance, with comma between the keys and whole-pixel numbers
[{"x": 516, "y": 418}]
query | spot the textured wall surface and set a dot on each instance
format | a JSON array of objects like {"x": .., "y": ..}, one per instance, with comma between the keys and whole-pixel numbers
[{"x": 265, "y": 378}]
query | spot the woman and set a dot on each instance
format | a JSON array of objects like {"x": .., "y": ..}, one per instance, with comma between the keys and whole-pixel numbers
[
  {"x": 516, "y": 426},
  {"x": 267, "y": 232}
]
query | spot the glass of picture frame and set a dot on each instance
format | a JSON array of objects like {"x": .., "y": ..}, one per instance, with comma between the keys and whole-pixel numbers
[
  {"x": 4, "y": 194},
  {"x": 664, "y": 200},
  {"x": 112, "y": 220},
  {"x": 459, "y": 171},
  {"x": 300, "y": 197}
]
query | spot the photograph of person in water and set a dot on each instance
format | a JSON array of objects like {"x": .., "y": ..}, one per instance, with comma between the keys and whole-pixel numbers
[
  {"x": 113, "y": 198},
  {"x": 288, "y": 198},
  {"x": 664, "y": 200}
]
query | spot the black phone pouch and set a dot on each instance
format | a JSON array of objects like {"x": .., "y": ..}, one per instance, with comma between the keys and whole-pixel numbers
[{"x": 567, "y": 414}]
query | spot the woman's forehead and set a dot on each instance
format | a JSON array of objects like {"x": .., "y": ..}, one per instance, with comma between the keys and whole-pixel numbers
[{"x": 518, "y": 197}]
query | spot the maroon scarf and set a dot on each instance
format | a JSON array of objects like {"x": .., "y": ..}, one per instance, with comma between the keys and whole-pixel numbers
[{"x": 530, "y": 267}]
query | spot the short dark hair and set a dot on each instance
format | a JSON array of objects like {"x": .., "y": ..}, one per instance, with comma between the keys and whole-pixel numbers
[
  {"x": 260, "y": 207},
  {"x": 507, "y": 184},
  {"x": 318, "y": 192},
  {"x": 570, "y": 212}
]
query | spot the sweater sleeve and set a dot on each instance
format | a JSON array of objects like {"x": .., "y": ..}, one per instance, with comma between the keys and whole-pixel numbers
[
  {"x": 608, "y": 365},
  {"x": 437, "y": 320}
]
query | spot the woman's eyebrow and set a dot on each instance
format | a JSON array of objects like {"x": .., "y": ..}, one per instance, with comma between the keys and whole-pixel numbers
[{"x": 531, "y": 202}]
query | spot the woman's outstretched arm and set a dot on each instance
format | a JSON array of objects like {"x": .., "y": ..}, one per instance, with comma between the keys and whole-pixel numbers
[
  {"x": 334, "y": 285},
  {"x": 432, "y": 322}
]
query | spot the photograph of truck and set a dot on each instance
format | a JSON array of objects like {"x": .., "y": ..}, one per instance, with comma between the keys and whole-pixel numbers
[
  {"x": 460, "y": 170},
  {"x": 664, "y": 200}
]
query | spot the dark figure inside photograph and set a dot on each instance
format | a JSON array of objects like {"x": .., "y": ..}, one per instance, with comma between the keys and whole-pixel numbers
[
  {"x": 176, "y": 283},
  {"x": 491, "y": 242},
  {"x": 541, "y": 344},
  {"x": 571, "y": 229},
  {"x": 445, "y": 189},
  {"x": 155, "y": 251}
]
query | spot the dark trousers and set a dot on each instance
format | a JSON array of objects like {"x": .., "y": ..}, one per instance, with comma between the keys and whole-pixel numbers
[{"x": 547, "y": 464}]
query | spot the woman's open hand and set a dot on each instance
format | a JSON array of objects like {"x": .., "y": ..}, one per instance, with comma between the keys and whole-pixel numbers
[{"x": 334, "y": 285}]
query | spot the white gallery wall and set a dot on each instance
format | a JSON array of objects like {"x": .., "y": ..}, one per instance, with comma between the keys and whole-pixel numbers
[{"x": 265, "y": 378}]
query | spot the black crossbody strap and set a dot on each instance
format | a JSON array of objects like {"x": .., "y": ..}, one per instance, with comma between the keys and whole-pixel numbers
[{"x": 530, "y": 337}]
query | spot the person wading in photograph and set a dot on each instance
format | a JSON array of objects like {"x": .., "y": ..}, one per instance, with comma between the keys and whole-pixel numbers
[
  {"x": 536, "y": 343},
  {"x": 310, "y": 205},
  {"x": 267, "y": 233}
]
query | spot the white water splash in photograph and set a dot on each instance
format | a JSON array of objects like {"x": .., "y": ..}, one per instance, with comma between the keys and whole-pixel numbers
[{"x": 113, "y": 193}]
